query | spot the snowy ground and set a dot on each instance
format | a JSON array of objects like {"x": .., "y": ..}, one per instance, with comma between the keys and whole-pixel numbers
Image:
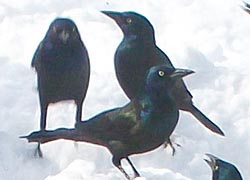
[{"x": 210, "y": 37}]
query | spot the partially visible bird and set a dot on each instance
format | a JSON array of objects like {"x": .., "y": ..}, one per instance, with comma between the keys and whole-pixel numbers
[
  {"x": 63, "y": 69},
  {"x": 140, "y": 126},
  {"x": 222, "y": 170},
  {"x": 138, "y": 52},
  {"x": 246, "y": 7}
]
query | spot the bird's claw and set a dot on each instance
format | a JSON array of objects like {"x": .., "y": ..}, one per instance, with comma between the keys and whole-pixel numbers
[
  {"x": 38, "y": 151},
  {"x": 169, "y": 143}
]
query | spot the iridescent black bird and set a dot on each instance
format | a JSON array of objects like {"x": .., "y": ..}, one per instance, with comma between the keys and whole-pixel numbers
[
  {"x": 140, "y": 126},
  {"x": 62, "y": 65},
  {"x": 223, "y": 170},
  {"x": 137, "y": 53},
  {"x": 246, "y": 7}
]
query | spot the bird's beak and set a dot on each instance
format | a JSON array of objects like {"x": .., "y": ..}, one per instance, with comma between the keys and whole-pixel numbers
[
  {"x": 114, "y": 15},
  {"x": 212, "y": 161},
  {"x": 180, "y": 73},
  {"x": 64, "y": 35}
]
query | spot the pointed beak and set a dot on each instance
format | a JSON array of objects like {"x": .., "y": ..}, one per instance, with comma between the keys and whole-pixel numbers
[
  {"x": 64, "y": 35},
  {"x": 180, "y": 73},
  {"x": 212, "y": 161},
  {"x": 114, "y": 15}
]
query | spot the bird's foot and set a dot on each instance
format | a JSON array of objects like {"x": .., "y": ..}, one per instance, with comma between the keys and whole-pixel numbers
[
  {"x": 36, "y": 136},
  {"x": 125, "y": 174},
  {"x": 136, "y": 173},
  {"x": 38, "y": 151},
  {"x": 169, "y": 143}
]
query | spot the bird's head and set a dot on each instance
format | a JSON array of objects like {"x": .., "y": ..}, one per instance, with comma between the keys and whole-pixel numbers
[
  {"x": 246, "y": 7},
  {"x": 63, "y": 30},
  {"x": 222, "y": 170},
  {"x": 161, "y": 79},
  {"x": 132, "y": 23}
]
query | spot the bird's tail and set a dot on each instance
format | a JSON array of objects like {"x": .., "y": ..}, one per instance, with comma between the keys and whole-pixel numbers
[
  {"x": 82, "y": 132},
  {"x": 52, "y": 135},
  {"x": 205, "y": 121}
]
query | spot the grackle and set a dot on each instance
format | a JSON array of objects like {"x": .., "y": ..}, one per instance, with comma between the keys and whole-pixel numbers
[
  {"x": 63, "y": 69},
  {"x": 222, "y": 170},
  {"x": 140, "y": 126},
  {"x": 246, "y": 7},
  {"x": 137, "y": 53}
]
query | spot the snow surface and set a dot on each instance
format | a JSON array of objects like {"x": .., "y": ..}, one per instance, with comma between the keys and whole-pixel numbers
[{"x": 210, "y": 37}]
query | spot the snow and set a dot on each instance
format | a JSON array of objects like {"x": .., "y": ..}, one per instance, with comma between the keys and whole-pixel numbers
[{"x": 209, "y": 37}]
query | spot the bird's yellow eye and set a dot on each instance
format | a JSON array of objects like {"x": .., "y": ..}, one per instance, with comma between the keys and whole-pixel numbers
[
  {"x": 129, "y": 20},
  {"x": 216, "y": 168},
  {"x": 161, "y": 73},
  {"x": 54, "y": 29}
]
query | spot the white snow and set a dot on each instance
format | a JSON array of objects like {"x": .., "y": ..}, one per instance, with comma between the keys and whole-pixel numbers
[{"x": 210, "y": 37}]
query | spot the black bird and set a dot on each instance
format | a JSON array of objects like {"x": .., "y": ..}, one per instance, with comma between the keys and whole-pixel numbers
[
  {"x": 137, "y": 53},
  {"x": 246, "y": 7},
  {"x": 140, "y": 126},
  {"x": 63, "y": 69},
  {"x": 223, "y": 170}
]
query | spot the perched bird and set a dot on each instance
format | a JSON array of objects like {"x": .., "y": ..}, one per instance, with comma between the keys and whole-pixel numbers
[
  {"x": 223, "y": 170},
  {"x": 138, "y": 52},
  {"x": 63, "y": 69},
  {"x": 140, "y": 126},
  {"x": 246, "y": 7}
]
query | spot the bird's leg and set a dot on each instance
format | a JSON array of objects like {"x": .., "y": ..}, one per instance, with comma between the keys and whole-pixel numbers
[
  {"x": 78, "y": 115},
  {"x": 117, "y": 162},
  {"x": 169, "y": 142},
  {"x": 43, "y": 117},
  {"x": 124, "y": 172},
  {"x": 79, "y": 111},
  {"x": 133, "y": 167},
  {"x": 38, "y": 151}
]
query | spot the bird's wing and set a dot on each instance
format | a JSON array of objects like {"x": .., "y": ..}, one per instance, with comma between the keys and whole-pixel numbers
[
  {"x": 37, "y": 56},
  {"x": 181, "y": 87},
  {"x": 114, "y": 124},
  {"x": 163, "y": 58}
]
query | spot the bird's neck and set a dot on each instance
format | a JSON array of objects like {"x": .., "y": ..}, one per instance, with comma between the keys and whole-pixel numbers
[
  {"x": 158, "y": 102},
  {"x": 143, "y": 39},
  {"x": 51, "y": 44},
  {"x": 159, "y": 115}
]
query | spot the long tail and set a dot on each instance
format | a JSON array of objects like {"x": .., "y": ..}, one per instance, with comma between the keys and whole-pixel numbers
[
  {"x": 52, "y": 135},
  {"x": 205, "y": 121}
]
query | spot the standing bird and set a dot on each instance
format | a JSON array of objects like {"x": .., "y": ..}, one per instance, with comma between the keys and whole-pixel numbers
[
  {"x": 222, "y": 170},
  {"x": 140, "y": 126},
  {"x": 63, "y": 69},
  {"x": 137, "y": 53}
]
